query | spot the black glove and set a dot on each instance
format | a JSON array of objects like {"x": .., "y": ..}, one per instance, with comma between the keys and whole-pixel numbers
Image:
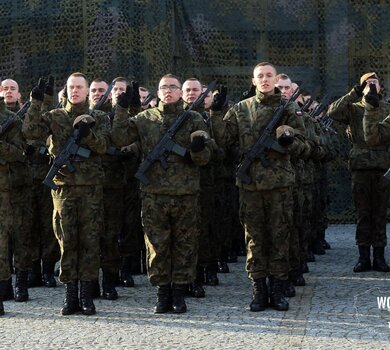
[
  {"x": 197, "y": 144},
  {"x": 219, "y": 99},
  {"x": 285, "y": 140},
  {"x": 84, "y": 129},
  {"x": 49, "y": 88},
  {"x": 29, "y": 150},
  {"x": 124, "y": 98},
  {"x": 372, "y": 96},
  {"x": 359, "y": 88},
  {"x": 249, "y": 93},
  {"x": 38, "y": 91},
  {"x": 135, "y": 100}
]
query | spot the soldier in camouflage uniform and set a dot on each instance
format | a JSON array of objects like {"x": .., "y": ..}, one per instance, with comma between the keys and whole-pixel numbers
[
  {"x": 11, "y": 151},
  {"x": 114, "y": 179},
  {"x": 78, "y": 212},
  {"x": 44, "y": 245},
  {"x": 170, "y": 202},
  {"x": 21, "y": 203},
  {"x": 370, "y": 190},
  {"x": 266, "y": 203}
]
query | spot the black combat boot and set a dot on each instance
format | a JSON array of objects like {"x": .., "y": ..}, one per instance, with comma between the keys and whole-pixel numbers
[
  {"x": 164, "y": 299},
  {"x": 296, "y": 277},
  {"x": 260, "y": 295},
  {"x": 9, "y": 293},
  {"x": 196, "y": 288},
  {"x": 178, "y": 303},
  {"x": 135, "y": 264},
  {"x": 3, "y": 291},
  {"x": 223, "y": 267},
  {"x": 48, "y": 275},
  {"x": 317, "y": 248},
  {"x": 96, "y": 289},
  {"x": 34, "y": 278},
  {"x": 125, "y": 274},
  {"x": 364, "y": 262},
  {"x": 325, "y": 244},
  {"x": 86, "y": 301},
  {"x": 379, "y": 262},
  {"x": 289, "y": 290},
  {"x": 277, "y": 300},
  {"x": 109, "y": 291},
  {"x": 71, "y": 301},
  {"x": 310, "y": 256},
  {"x": 211, "y": 274},
  {"x": 21, "y": 292},
  {"x": 304, "y": 267}
]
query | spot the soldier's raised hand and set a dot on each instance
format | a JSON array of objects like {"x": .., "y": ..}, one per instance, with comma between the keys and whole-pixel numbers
[
  {"x": 124, "y": 98},
  {"x": 220, "y": 99},
  {"x": 372, "y": 96},
  {"x": 135, "y": 100},
  {"x": 359, "y": 88},
  {"x": 49, "y": 88},
  {"x": 37, "y": 92}
]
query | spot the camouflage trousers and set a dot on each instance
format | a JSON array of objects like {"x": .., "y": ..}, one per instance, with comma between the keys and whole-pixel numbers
[
  {"x": 208, "y": 242},
  {"x": 296, "y": 233},
  {"x": 113, "y": 214},
  {"x": 305, "y": 235},
  {"x": 5, "y": 227},
  {"x": 267, "y": 218},
  {"x": 370, "y": 193},
  {"x": 44, "y": 244},
  {"x": 171, "y": 226},
  {"x": 131, "y": 236},
  {"x": 21, "y": 233},
  {"x": 77, "y": 223},
  {"x": 320, "y": 199}
]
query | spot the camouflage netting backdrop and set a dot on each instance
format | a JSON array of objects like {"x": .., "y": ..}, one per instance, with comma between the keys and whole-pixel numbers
[{"x": 326, "y": 45}]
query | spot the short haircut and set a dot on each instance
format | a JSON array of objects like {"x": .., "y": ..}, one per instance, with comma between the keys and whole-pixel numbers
[
  {"x": 262, "y": 64},
  {"x": 171, "y": 76},
  {"x": 98, "y": 80},
  {"x": 79, "y": 75},
  {"x": 144, "y": 89},
  {"x": 283, "y": 76},
  {"x": 120, "y": 80}
]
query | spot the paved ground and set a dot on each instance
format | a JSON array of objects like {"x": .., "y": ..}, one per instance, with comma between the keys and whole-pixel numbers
[{"x": 337, "y": 309}]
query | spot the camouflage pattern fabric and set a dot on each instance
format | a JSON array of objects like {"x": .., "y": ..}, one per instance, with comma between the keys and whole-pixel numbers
[
  {"x": 171, "y": 225},
  {"x": 267, "y": 219},
  {"x": 77, "y": 222},
  {"x": 5, "y": 226},
  {"x": 376, "y": 124}
]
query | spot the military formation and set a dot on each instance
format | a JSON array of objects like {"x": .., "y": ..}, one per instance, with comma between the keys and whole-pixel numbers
[{"x": 114, "y": 180}]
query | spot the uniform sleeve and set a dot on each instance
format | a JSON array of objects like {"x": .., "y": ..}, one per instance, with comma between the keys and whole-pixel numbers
[
  {"x": 99, "y": 138},
  {"x": 203, "y": 157},
  {"x": 36, "y": 126},
  {"x": 376, "y": 126},
  {"x": 295, "y": 121},
  {"x": 11, "y": 148},
  {"x": 341, "y": 109},
  {"x": 225, "y": 129},
  {"x": 124, "y": 131}
]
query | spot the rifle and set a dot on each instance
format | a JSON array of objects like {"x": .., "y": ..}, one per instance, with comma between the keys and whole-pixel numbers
[
  {"x": 147, "y": 99},
  {"x": 325, "y": 122},
  {"x": 264, "y": 143},
  {"x": 305, "y": 107},
  {"x": 72, "y": 149},
  {"x": 167, "y": 144},
  {"x": 9, "y": 122}
]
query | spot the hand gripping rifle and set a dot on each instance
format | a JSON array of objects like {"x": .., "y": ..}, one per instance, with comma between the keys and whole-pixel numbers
[
  {"x": 167, "y": 143},
  {"x": 264, "y": 143},
  {"x": 9, "y": 122},
  {"x": 71, "y": 149}
]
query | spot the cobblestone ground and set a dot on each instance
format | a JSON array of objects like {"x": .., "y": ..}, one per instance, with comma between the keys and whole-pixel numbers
[{"x": 337, "y": 309}]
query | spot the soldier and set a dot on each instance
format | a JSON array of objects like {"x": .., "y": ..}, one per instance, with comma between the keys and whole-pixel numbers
[
  {"x": 266, "y": 202},
  {"x": 78, "y": 212},
  {"x": 170, "y": 202},
  {"x": 11, "y": 151},
  {"x": 10, "y": 91},
  {"x": 114, "y": 181},
  {"x": 367, "y": 163},
  {"x": 44, "y": 245}
]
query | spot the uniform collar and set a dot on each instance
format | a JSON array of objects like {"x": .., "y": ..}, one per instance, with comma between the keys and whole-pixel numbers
[
  {"x": 269, "y": 99},
  {"x": 171, "y": 108},
  {"x": 77, "y": 109}
]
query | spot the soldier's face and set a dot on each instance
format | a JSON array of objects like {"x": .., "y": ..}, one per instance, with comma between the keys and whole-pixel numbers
[
  {"x": 208, "y": 100},
  {"x": 97, "y": 90},
  {"x": 372, "y": 81},
  {"x": 77, "y": 89},
  {"x": 119, "y": 87},
  {"x": 285, "y": 88},
  {"x": 264, "y": 77},
  {"x": 169, "y": 90},
  {"x": 191, "y": 90},
  {"x": 142, "y": 95},
  {"x": 10, "y": 91}
]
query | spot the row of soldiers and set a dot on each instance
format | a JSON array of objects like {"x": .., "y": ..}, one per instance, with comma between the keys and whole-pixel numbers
[{"x": 183, "y": 239}]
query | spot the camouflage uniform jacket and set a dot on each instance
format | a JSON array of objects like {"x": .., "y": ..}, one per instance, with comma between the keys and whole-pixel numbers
[
  {"x": 244, "y": 122},
  {"x": 59, "y": 124},
  {"x": 349, "y": 110},
  {"x": 376, "y": 124},
  {"x": 147, "y": 127},
  {"x": 12, "y": 145}
]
